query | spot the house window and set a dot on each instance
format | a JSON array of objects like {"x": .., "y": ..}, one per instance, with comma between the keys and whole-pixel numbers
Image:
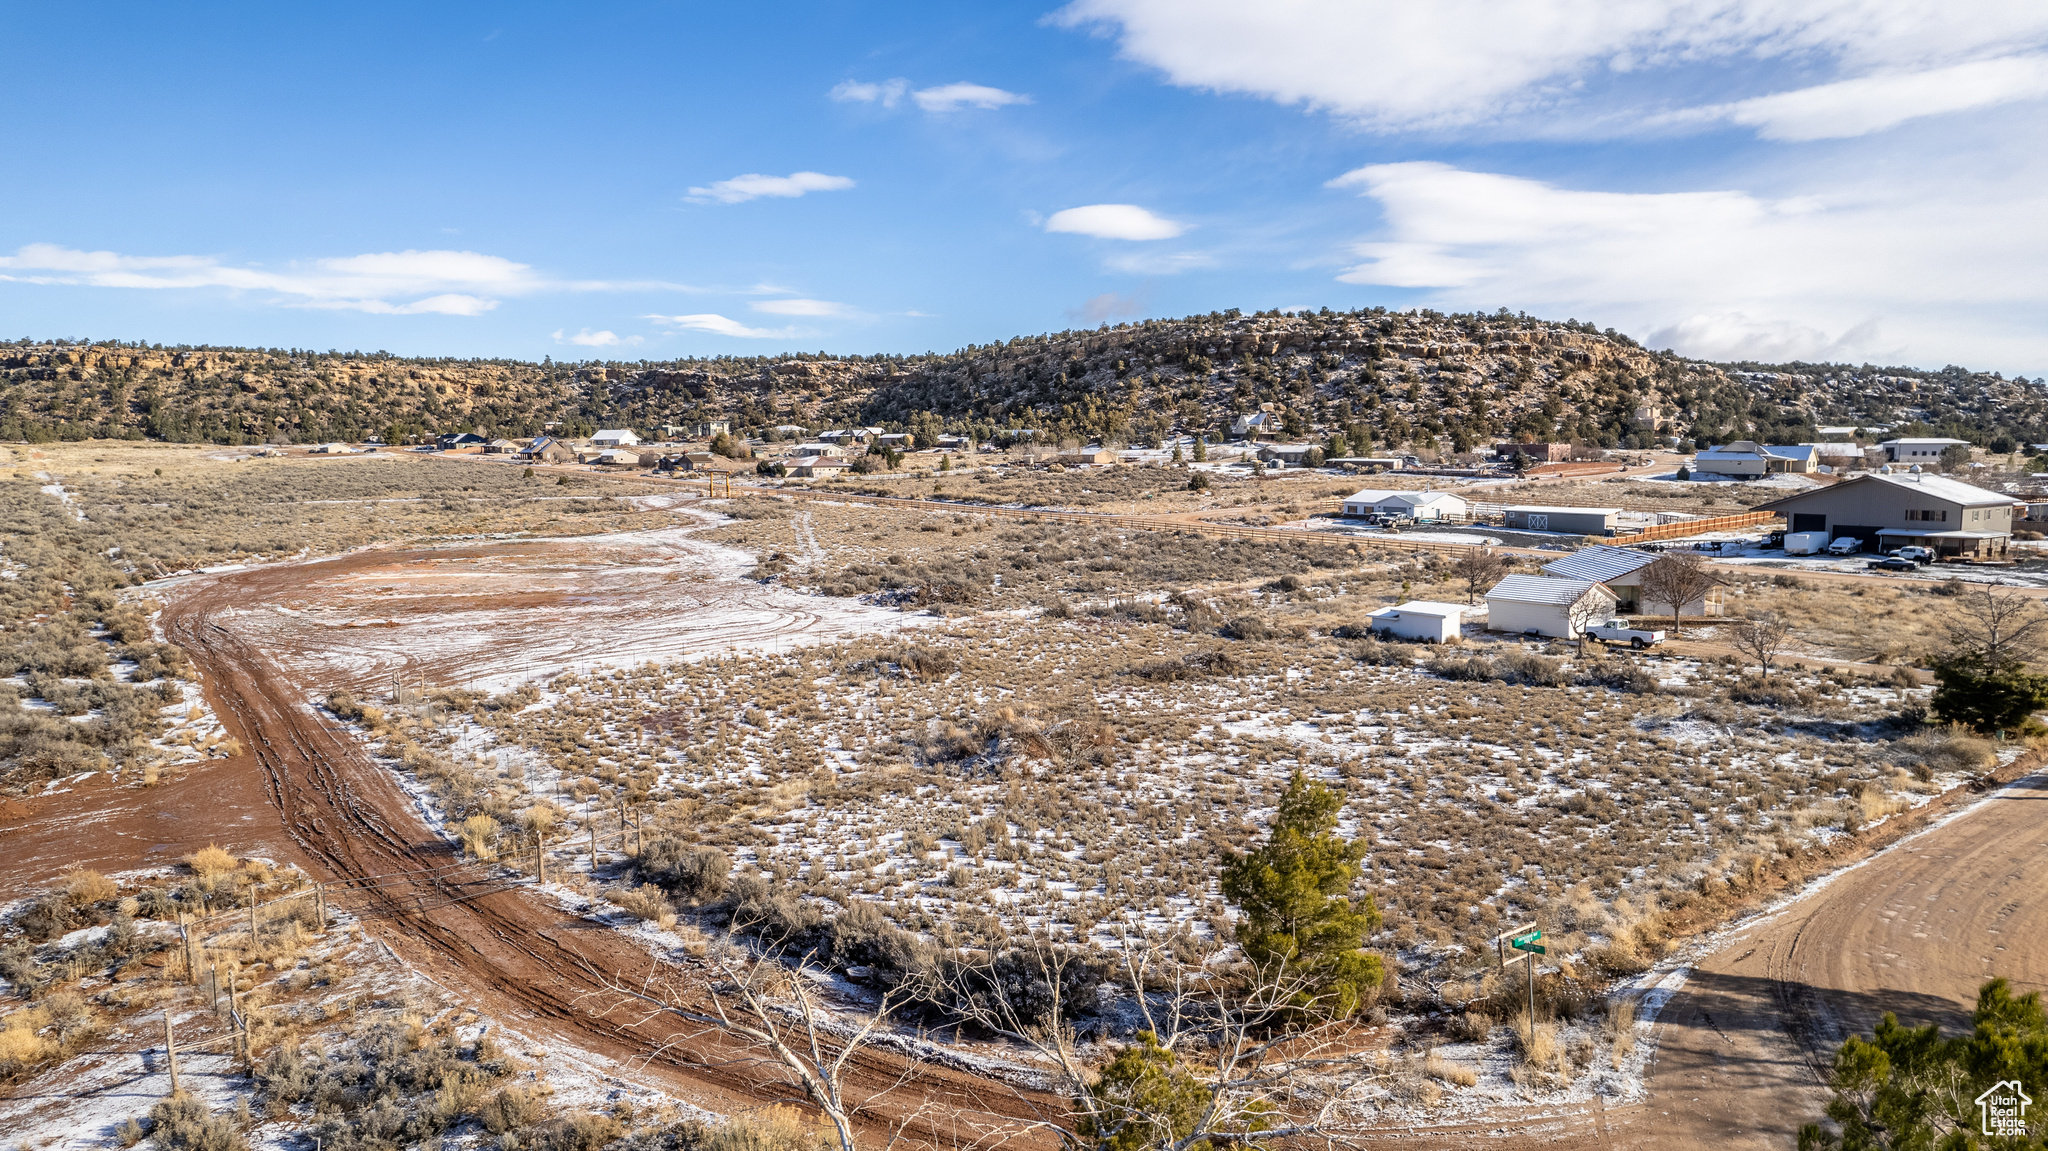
[{"x": 1925, "y": 514}]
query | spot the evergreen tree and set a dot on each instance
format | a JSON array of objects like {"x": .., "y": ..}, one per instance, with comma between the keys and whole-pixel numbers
[
  {"x": 1293, "y": 893},
  {"x": 1907, "y": 1087}
]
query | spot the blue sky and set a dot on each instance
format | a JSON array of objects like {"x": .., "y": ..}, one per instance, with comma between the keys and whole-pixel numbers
[{"x": 1859, "y": 179}]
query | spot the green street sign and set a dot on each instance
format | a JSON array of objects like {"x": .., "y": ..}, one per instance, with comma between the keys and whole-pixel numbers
[{"x": 1528, "y": 943}]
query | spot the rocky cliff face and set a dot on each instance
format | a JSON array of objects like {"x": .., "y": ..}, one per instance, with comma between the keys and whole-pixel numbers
[{"x": 1375, "y": 377}]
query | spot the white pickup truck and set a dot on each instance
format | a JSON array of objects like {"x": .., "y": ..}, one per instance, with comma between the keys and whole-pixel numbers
[{"x": 1618, "y": 631}]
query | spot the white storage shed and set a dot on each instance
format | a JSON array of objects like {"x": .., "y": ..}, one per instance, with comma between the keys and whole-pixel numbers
[
  {"x": 1547, "y": 605},
  {"x": 1421, "y": 619}
]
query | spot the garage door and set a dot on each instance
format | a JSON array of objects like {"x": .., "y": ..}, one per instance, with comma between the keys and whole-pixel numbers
[
  {"x": 1809, "y": 522},
  {"x": 1871, "y": 540},
  {"x": 1538, "y": 523}
]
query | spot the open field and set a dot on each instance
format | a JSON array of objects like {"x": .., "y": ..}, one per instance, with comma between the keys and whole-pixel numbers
[{"x": 901, "y": 735}]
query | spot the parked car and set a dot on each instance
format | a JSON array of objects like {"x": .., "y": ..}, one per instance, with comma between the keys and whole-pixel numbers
[
  {"x": 1618, "y": 631},
  {"x": 1845, "y": 546},
  {"x": 1892, "y": 564},
  {"x": 1914, "y": 552}
]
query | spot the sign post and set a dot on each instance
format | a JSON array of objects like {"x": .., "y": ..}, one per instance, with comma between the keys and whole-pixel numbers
[{"x": 1522, "y": 939}]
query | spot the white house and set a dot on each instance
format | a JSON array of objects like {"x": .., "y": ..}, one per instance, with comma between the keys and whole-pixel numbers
[
  {"x": 1421, "y": 619},
  {"x": 614, "y": 438},
  {"x": 1927, "y": 451},
  {"x": 1421, "y": 506},
  {"x": 1255, "y": 425},
  {"x": 1547, "y": 605}
]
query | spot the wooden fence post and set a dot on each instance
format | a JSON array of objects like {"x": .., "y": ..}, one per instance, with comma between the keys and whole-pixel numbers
[
  {"x": 170, "y": 1052},
  {"x": 320, "y": 902},
  {"x": 252, "y": 915}
]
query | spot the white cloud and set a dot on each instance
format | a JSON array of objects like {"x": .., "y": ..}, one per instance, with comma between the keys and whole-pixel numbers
[
  {"x": 1398, "y": 64},
  {"x": 407, "y": 283},
  {"x": 1148, "y": 263},
  {"x": 1873, "y": 103},
  {"x": 1933, "y": 270},
  {"x": 589, "y": 339},
  {"x": 719, "y": 325},
  {"x": 1114, "y": 222},
  {"x": 939, "y": 98},
  {"x": 753, "y": 186},
  {"x": 803, "y": 308},
  {"x": 953, "y": 97},
  {"x": 888, "y": 93}
]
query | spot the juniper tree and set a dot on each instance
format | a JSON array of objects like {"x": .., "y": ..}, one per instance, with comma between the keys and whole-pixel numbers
[{"x": 1293, "y": 893}]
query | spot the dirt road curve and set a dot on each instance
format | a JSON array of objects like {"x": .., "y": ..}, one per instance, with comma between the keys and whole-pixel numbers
[
  {"x": 499, "y": 947},
  {"x": 1744, "y": 1049}
]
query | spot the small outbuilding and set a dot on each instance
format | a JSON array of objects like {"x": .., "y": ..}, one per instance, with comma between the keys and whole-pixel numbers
[
  {"x": 1420, "y": 619},
  {"x": 1547, "y": 605},
  {"x": 1578, "y": 521}
]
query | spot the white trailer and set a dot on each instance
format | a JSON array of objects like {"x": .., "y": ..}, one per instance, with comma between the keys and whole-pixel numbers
[{"x": 1805, "y": 543}]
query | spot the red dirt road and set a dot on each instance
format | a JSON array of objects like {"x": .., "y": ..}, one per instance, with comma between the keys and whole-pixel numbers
[{"x": 489, "y": 941}]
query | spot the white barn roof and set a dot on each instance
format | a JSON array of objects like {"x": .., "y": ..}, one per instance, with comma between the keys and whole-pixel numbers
[
  {"x": 1541, "y": 589},
  {"x": 1600, "y": 562}
]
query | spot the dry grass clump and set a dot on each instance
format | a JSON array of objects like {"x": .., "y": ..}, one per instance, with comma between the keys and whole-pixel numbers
[
  {"x": 210, "y": 861},
  {"x": 1951, "y": 750},
  {"x": 1449, "y": 1071}
]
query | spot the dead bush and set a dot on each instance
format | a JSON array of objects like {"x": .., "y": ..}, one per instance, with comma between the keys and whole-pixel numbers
[
  {"x": 695, "y": 874},
  {"x": 1936, "y": 752},
  {"x": 210, "y": 861}
]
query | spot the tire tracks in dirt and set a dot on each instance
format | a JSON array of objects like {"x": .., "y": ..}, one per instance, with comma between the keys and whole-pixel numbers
[{"x": 486, "y": 938}]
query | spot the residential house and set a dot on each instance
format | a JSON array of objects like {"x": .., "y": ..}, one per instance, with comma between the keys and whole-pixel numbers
[
  {"x": 1747, "y": 458},
  {"x": 712, "y": 464},
  {"x": 502, "y": 447},
  {"x": 1887, "y": 509},
  {"x": 1927, "y": 451},
  {"x": 1082, "y": 457},
  {"x": 546, "y": 450},
  {"x": 901, "y": 441},
  {"x": 1256, "y": 426},
  {"x": 333, "y": 450},
  {"x": 1537, "y": 453},
  {"x": 708, "y": 428},
  {"x": 819, "y": 449},
  {"x": 1579, "y": 521},
  {"x": 816, "y": 467},
  {"x": 1837, "y": 456},
  {"x": 626, "y": 458},
  {"x": 1422, "y": 506},
  {"x": 1547, "y": 605},
  {"x": 1421, "y": 619},
  {"x": 454, "y": 441},
  {"x": 953, "y": 443},
  {"x": 1621, "y": 571},
  {"x": 614, "y": 438},
  {"x": 1287, "y": 455},
  {"x": 791, "y": 430}
]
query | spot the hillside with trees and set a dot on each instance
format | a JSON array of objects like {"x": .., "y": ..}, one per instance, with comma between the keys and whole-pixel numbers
[{"x": 1362, "y": 381}]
